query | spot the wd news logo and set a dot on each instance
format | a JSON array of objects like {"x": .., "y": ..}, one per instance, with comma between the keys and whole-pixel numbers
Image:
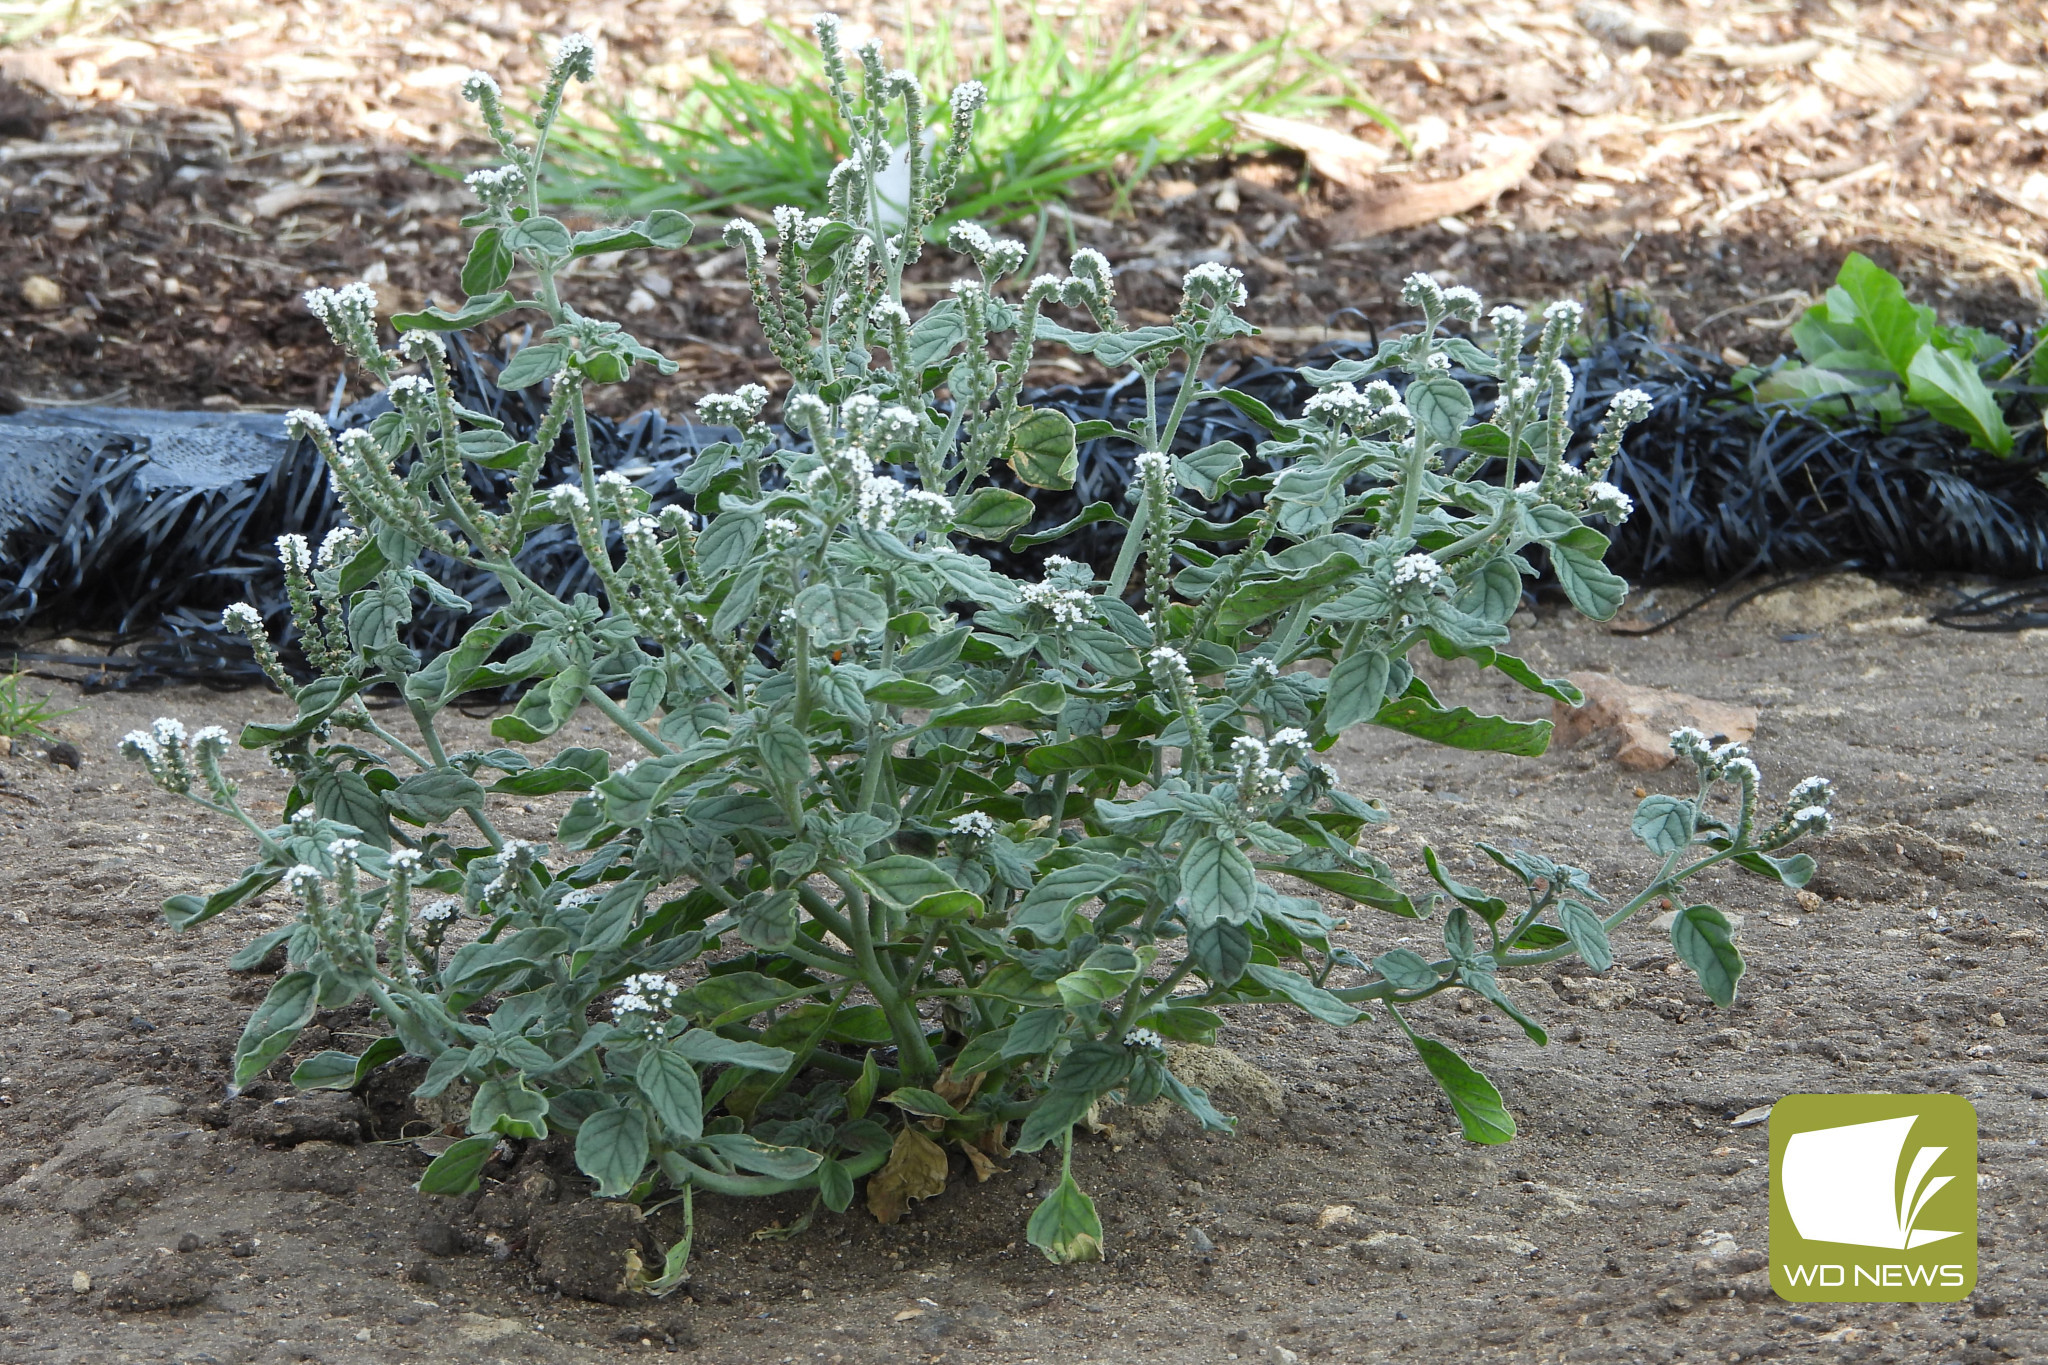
[{"x": 1873, "y": 1198}]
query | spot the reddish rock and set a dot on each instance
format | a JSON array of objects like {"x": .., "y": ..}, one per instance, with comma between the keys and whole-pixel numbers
[{"x": 1639, "y": 720}]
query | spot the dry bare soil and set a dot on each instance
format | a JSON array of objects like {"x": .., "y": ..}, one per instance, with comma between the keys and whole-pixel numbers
[{"x": 146, "y": 1218}]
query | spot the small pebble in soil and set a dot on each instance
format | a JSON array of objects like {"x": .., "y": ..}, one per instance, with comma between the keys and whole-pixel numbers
[{"x": 65, "y": 755}]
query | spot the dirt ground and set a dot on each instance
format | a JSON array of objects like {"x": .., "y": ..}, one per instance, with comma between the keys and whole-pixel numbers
[
  {"x": 182, "y": 169},
  {"x": 144, "y": 1219}
]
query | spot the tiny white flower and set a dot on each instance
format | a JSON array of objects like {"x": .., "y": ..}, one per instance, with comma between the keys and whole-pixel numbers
[
  {"x": 974, "y": 824},
  {"x": 1422, "y": 291},
  {"x": 968, "y": 98},
  {"x": 1607, "y": 500},
  {"x": 1144, "y": 1040},
  {"x": 294, "y": 553},
  {"x": 411, "y": 388},
  {"x": 575, "y": 55},
  {"x": 1630, "y": 405},
  {"x": 1213, "y": 279},
  {"x": 338, "y": 545},
  {"x": 438, "y": 912},
  {"x": 1814, "y": 791},
  {"x": 1417, "y": 568},
  {"x": 1461, "y": 301}
]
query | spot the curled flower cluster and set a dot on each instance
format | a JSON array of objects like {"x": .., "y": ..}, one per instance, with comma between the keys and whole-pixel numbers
[
  {"x": 1630, "y": 405},
  {"x": 1213, "y": 281},
  {"x": 1251, "y": 764},
  {"x": 1144, "y": 1040},
  {"x": 644, "y": 994},
  {"x": 924, "y": 510},
  {"x": 496, "y": 187},
  {"x": 1604, "y": 499},
  {"x": 411, "y": 388},
  {"x": 1068, "y": 607},
  {"x": 878, "y": 501},
  {"x": 168, "y": 754},
  {"x": 1090, "y": 284},
  {"x": 736, "y": 409},
  {"x": 294, "y": 553},
  {"x": 968, "y": 99},
  {"x": 350, "y": 316},
  {"x": 1419, "y": 569},
  {"x": 440, "y": 912},
  {"x": 339, "y": 545},
  {"x": 1422, "y": 291},
  {"x": 1689, "y": 743},
  {"x": 1360, "y": 412},
  {"x": 1812, "y": 791},
  {"x": 974, "y": 825},
  {"x": 1462, "y": 301},
  {"x": 575, "y": 56}
]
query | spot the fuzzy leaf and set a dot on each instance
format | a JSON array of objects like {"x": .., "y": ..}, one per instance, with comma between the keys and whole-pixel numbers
[
  {"x": 473, "y": 313},
  {"x": 611, "y": 1148},
  {"x": 1703, "y": 940},
  {"x": 835, "y": 614},
  {"x": 1664, "y": 823},
  {"x": 673, "y": 1093},
  {"x": 1042, "y": 449},
  {"x": 1357, "y": 690},
  {"x": 1065, "y": 1226},
  {"x": 454, "y": 1173},
  {"x": 1442, "y": 406},
  {"x": 1478, "y": 1105},
  {"x": 1217, "y": 883},
  {"x": 276, "y": 1023},
  {"x": 992, "y": 513},
  {"x": 1588, "y": 934}
]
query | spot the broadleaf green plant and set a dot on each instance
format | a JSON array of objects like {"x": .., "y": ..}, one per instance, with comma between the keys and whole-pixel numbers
[
  {"x": 910, "y": 852},
  {"x": 1867, "y": 346}
]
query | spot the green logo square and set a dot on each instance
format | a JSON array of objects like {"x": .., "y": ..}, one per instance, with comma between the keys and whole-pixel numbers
[{"x": 1873, "y": 1198}]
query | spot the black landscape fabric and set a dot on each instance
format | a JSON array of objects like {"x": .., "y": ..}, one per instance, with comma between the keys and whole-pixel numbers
[{"x": 141, "y": 525}]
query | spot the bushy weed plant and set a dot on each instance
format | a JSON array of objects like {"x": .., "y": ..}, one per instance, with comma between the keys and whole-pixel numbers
[{"x": 899, "y": 853}]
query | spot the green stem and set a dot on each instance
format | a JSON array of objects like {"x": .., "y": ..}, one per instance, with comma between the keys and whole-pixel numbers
[
  {"x": 1127, "y": 553},
  {"x": 612, "y": 711}
]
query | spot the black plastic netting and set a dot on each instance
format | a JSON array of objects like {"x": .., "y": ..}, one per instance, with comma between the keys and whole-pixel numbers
[{"x": 144, "y": 532}]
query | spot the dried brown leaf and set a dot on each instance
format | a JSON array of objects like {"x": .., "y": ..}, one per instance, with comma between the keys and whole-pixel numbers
[
  {"x": 1338, "y": 157},
  {"x": 984, "y": 1165},
  {"x": 916, "y": 1169},
  {"x": 1414, "y": 204}
]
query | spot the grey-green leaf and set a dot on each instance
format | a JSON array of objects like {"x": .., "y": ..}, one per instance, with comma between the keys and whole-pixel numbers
[
  {"x": 1705, "y": 942},
  {"x": 1217, "y": 883},
  {"x": 611, "y": 1148}
]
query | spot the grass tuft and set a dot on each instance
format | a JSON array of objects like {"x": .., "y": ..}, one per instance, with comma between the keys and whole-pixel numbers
[
  {"x": 1076, "y": 101},
  {"x": 22, "y": 716}
]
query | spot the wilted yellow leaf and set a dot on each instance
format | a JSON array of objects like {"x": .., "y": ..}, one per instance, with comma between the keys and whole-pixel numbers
[{"x": 916, "y": 1169}]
